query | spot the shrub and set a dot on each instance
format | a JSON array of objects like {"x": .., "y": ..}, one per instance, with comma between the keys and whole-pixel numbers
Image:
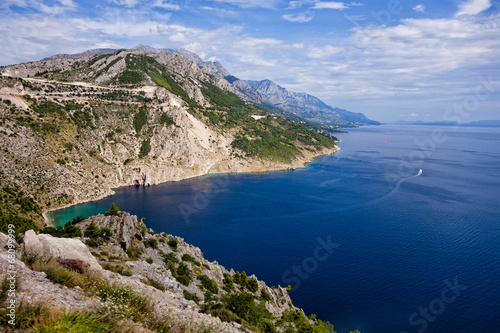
[
  {"x": 208, "y": 284},
  {"x": 58, "y": 274},
  {"x": 78, "y": 322},
  {"x": 267, "y": 327},
  {"x": 149, "y": 260},
  {"x": 152, "y": 243},
  {"x": 182, "y": 274},
  {"x": 155, "y": 284},
  {"x": 171, "y": 257},
  {"x": 172, "y": 242},
  {"x": 145, "y": 148},
  {"x": 166, "y": 120},
  {"x": 184, "y": 280},
  {"x": 228, "y": 283},
  {"x": 190, "y": 296},
  {"x": 4, "y": 288},
  {"x": 252, "y": 285},
  {"x": 69, "y": 230},
  {"x": 130, "y": 77},
  {"x": 113, "y": 210},
  {"x": 239, "y": 304},
  {"x": 264, "y": 294},
  {"x": 117, "y": 269},
  {"x": 133, "y": 253},
  {"x": 140, "y": 119}
]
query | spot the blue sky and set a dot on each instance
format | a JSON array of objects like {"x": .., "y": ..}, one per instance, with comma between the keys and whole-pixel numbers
[{"x": 390, "y": 59}]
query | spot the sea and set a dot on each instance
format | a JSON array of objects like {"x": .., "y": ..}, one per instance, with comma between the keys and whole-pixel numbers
[{"x": 397, "y": 232}]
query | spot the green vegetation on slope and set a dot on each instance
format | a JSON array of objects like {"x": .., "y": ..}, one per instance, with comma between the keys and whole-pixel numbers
[
  {"x": 158, "y": 74},
  {"x": 272, "y": 138}
]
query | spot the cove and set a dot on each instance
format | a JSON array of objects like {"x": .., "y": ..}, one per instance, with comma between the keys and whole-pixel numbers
[{"x": 396, "y": 240}]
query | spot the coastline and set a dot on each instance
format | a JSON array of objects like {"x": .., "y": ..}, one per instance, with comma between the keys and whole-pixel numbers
[{"x": 299, "y": 163}]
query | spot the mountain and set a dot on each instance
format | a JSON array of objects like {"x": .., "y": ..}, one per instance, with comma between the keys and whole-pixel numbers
[
  {"x": 479, "y": 123},
  {"x": 77, "y": 128},
  {"x": 88, "y": 53},
  {"x": 307, "y": 106},
  {"x": 263, "y": 93}
]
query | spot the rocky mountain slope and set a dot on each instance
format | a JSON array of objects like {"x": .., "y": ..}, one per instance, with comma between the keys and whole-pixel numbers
[
  {"x": 260, "y": 93},
  {"x": 308, "y": 106},
  {"x": 109, "y": 273},
  {"x": 73, "y": 129}
]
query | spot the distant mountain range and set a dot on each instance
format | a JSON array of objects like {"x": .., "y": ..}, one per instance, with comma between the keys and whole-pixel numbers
[
  {"x": 265, "y": 93},
  {"x": 480, "y": 123},
  {"x": 308, "y": 106}
]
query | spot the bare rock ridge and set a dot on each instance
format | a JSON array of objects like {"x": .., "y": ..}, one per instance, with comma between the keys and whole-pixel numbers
[
  {"x": 176, "y": 283},
  {"x": 259, "y": 92}
]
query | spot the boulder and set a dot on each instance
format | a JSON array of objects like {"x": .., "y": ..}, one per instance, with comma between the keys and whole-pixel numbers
[{"x": 63, "y": 249}]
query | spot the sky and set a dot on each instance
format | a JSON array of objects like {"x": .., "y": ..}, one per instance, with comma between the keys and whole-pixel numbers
[{"x": 389, "y": 59}]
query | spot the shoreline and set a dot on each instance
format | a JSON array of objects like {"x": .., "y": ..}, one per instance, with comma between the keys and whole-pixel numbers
[{"x": 302, "y": 164}]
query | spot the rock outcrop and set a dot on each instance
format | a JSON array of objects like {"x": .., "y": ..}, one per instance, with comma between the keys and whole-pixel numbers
[
  {"x": 134, "y": 257},
  {"x": 47, "y": 246}
]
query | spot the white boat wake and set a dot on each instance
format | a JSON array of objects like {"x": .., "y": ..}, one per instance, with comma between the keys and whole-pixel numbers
[
  {"x": 400, "y": 182},
  {"x": 418, "y": 174}
]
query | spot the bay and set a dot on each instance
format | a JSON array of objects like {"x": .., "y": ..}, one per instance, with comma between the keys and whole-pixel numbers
[{"x": 399, "y": 237}]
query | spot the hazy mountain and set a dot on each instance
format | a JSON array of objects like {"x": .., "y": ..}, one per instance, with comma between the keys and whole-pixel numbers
[
  {"x": 307, "y": 106},
  {"x": 479, "y": 123}
]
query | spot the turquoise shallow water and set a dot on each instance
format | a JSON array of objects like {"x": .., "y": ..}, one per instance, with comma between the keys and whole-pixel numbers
[{"x": 407, "y": 253}]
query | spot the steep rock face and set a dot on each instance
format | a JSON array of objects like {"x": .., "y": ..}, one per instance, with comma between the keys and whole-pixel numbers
[
  {"x": 246, "y": 92},
  {"x": 215, "y": 68}
]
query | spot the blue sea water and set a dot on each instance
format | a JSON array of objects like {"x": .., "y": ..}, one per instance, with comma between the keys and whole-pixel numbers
[{"x": 407, "y": 253}]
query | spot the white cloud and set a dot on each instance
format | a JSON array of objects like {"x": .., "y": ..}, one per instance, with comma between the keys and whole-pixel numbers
[
  {"x": 419, "y": 8},
  {"x": 323, "y": 52},
  {"x": 166, "y": 5},
  {"x": 330, "y": 5},
  {"x": 253, "y": 3},
  {"x": 62, "y": 7},
  {"x": 299, "y": 18},
  {"x": 219, "y": 10},
  {"x": 126, "y": 3},
  {"x": 473, "y": 7}
]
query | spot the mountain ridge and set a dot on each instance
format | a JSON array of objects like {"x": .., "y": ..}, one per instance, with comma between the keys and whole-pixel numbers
[
  {"x": 301, "y": 104},
  {"x": 307, "y": 106}
]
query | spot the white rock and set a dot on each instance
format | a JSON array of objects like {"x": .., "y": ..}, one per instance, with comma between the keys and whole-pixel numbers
[{"x": 65, "y": 248}]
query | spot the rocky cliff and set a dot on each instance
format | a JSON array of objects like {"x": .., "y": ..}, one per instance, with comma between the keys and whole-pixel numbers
[{"x": 116, "y": 275}]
